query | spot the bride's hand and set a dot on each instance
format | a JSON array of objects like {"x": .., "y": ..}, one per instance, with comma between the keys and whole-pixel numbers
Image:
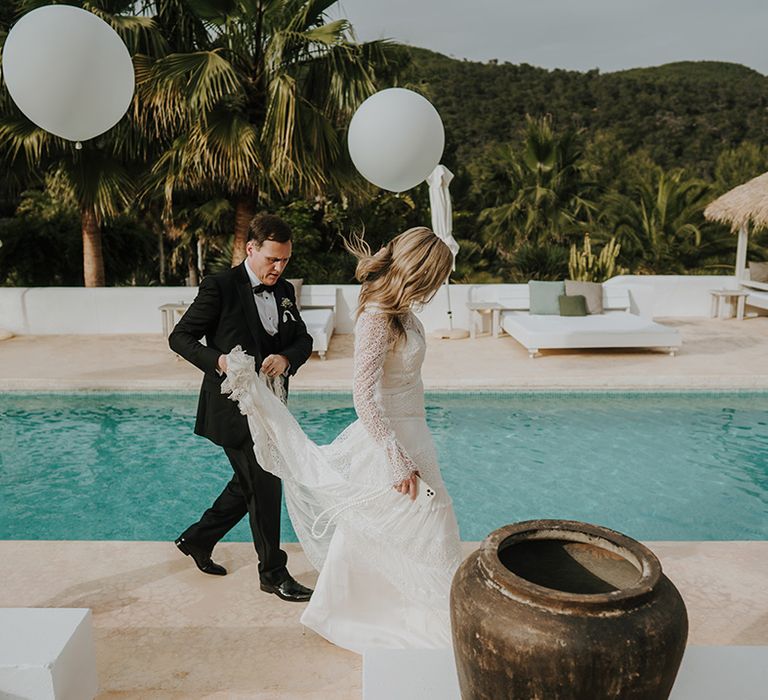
[{"x": 409, "y": 486}]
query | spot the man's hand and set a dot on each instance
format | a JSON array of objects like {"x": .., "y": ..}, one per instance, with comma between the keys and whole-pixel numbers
[
  {"x": 274, "y": 365},
  {"x": 222, "y": 364},
  {"x": 409, "y": 486}
]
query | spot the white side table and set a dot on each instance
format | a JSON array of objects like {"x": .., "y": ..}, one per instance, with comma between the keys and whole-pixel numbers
[
  {"x": 478, "y": 310},
  {"x": 171, "y": 313},
  {"x": 726, "y": 295}
]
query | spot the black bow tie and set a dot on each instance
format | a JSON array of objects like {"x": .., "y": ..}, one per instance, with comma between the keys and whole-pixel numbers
[{"x": 259, "y": 288}]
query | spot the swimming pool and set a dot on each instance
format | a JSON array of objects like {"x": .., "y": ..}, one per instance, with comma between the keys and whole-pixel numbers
[{"x": 654, "y": 466}]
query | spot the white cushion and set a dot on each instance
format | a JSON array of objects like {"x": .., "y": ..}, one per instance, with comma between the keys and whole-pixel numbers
[{"x": 617, "y": 329}]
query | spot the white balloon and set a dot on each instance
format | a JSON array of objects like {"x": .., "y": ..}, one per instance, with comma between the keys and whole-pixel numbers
[
  {"x": 68, "y": 71},
  {"x": 396, "y": 139}
]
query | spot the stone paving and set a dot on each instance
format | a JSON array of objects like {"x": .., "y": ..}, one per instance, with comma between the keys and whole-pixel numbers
[
  {"x": 166, "y": 632},
  {"x": 715, "y": 355}
]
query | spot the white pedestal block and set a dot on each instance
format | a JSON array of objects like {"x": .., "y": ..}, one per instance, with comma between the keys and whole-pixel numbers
[
  {"x": 47, "y": 654},
  {"x": 706, "y": 673},
  {"x": 410, "y": 674}
]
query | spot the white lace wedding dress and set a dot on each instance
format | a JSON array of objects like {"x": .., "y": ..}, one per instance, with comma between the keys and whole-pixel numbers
[{"x": 385, "y": 562}]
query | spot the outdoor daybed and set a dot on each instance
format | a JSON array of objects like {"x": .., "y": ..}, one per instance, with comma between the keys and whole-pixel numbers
[{"x": 616, "y": 327}]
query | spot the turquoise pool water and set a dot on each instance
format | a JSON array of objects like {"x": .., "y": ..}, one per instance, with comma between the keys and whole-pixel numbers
[{"x": 654, "y": 466}]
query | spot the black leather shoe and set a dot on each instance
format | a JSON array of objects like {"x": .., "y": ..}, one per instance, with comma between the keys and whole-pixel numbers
[
  {"x": 201, "y": 557},
  {"x": 288, "y": 589}
]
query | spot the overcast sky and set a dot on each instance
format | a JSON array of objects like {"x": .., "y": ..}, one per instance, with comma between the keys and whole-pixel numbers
[{"x": 575, "y": 34}]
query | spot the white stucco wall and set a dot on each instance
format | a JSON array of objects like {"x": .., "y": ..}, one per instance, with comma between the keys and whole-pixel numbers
[
  {"x": 76, "y": 310},
  {"x": 673, "y": 295}
]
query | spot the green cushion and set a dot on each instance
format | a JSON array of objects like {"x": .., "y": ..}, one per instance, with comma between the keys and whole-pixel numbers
[
  {"x": 543, "y": 297},
  {"x": 575, "y": 305}
]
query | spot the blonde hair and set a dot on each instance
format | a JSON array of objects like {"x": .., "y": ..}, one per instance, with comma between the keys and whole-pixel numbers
[{"x": 408, "y": 270}]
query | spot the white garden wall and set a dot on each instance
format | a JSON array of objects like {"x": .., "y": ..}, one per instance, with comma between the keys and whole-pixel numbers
[
  {"x": 674, "y": 295},
  {"x": 76, "y": 310}
]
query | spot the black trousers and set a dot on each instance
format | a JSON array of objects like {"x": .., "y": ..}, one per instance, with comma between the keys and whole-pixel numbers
[{"x": 257, "y": 493}]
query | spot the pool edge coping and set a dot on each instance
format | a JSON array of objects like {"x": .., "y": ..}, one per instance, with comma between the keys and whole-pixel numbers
[
  {"x": 585, "y": 383},
  {"x": 140, "y": 389}
]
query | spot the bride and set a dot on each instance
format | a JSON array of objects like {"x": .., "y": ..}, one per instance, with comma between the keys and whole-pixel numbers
[{"x": 370, "y": 509}]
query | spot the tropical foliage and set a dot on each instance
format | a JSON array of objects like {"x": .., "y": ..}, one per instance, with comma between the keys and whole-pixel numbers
[
  {"x": 101, "y": 176},
  {"x": 257, "y": 98},
  {"x": 242, "y": 107},
  {"x": 235, "y": 100}
]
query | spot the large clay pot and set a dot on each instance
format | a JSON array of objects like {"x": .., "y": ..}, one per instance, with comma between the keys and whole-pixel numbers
[{"x": 555, "y": 609}]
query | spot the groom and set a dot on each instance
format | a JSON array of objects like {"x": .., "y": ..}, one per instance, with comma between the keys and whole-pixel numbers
[{"x": 249, "y": 306}]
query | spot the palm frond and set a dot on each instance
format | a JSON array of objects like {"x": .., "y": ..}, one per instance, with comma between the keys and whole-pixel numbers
[
  {"x": 156, "y": 112},
  {"x": 339, "y": 81},
  {"x": 140, "y": 34},
  {"x": 328, "y": 34},
  {"x": 100, "y": 183},
  {"x": 212, "y": 212},
  {"x": 229, "y": 145},
  {"x": 221, "y": 153},
  {"x": 115, "y": 7},
  {"x": 202, "y": 79},
  {"x": 300, "y": 140},
  {"x": 20, "y": 137},
  {"x": 307, "y": 14},
  {"x": 280, "y": 123}
]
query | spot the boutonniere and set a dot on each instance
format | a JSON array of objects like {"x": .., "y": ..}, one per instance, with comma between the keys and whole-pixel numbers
[{"x": 286, "y": 303}]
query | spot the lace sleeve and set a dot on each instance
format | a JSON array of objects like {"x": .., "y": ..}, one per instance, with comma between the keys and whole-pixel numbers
[{"x": 371, "y": 345}]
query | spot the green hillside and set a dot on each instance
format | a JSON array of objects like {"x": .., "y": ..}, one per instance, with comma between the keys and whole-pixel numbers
[
  {"x": 684, "y": 113},
  {"x": 697, "y": 70}
]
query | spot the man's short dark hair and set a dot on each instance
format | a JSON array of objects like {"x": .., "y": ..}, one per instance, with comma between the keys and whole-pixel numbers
[{"x": 268, "y": 227}]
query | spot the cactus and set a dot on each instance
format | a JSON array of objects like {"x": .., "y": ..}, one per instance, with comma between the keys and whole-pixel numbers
[{"x": 585, "y": 266}]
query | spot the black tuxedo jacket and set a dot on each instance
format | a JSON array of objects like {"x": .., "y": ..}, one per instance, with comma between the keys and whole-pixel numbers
[{"x": 224, "y": 312}]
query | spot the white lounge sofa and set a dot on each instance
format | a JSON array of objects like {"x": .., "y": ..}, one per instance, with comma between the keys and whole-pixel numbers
[
  {"x": 616, "y": 328},
  {"x": 318, "y": 309},
  {"x": 758, "y": 291},
  {"x": 758, "y": 299}
]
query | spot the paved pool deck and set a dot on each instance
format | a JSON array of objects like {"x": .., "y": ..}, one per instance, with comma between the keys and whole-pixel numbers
[
  {"x": 164, "y": 631},
  {"x": 715, "y": 354}
]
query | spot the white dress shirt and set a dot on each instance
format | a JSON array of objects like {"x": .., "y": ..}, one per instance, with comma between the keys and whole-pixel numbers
[{"x": 266, "y": 304}]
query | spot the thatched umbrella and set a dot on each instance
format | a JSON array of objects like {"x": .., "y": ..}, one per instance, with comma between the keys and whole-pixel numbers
[{"x": 743, "y": 206}]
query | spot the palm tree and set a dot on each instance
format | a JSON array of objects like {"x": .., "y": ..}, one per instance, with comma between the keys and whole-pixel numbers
[
  {"x": 257, "y": 103},
  {"x": 194, "y": 230},
  {"x": 541, "y": 195},
  {"x": 660, "y": 225},
  {"x": 102, "y": 174}
]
